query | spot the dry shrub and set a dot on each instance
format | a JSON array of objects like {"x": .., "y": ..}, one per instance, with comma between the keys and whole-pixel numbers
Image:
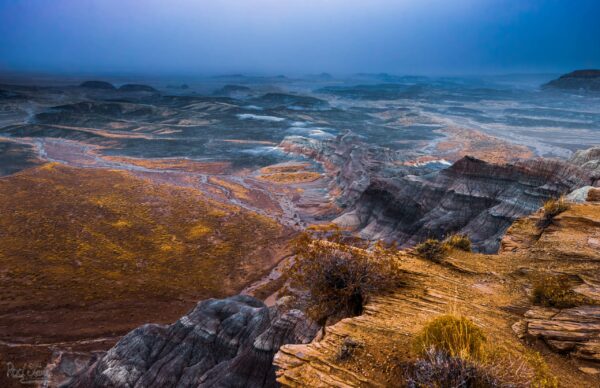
[
  {"x": 340, "y": 277},
  {"x": 348, "y": 348},
  {"x": 432, "y": 249},
  {"x": 454, "y": 352},
  {"x": 552, "y": 208},
  {"x": 457, "y": 336},
  {"x": 458, "y": 241},
  {"x": 555, "y": 291},
  {"x": 439, "y": 369}
]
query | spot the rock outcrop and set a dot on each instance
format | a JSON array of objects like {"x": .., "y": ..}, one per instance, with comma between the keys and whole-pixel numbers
[
  {"x": 575, "y": 330},
  {"x": 471, "y": 197},
  {"x": 588, "y": 80},
  {"x": 220, "y": 343},
  {"x": 588, "y": 159}
]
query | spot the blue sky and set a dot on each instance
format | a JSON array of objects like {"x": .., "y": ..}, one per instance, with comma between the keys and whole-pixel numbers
[{"x": 299, "y": 36}]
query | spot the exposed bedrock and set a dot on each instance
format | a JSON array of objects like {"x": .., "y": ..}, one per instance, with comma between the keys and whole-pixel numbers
[
  {"x": 588, "y": 159},
  {"x": 220, "y": 343},
  {"x": 575, "y": 330},
  {"x": 388, "y": 197},
  {"x": 472, "y": 197}
]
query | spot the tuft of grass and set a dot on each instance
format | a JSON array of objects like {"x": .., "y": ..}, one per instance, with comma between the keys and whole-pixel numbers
[
  {"x": 458, "y": 241},
  {"x": 552, "y": 208},
  {"x": 432, "y": 249},
  {"x": 453, "y": 351},
  {"x": 555, "y": 291},
  {"x": 457, "y": 336},
  {"x": 542, "y": 378}
]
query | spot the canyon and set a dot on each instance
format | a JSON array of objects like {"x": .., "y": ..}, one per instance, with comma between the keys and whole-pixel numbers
[{"x": 126, "y": 206}]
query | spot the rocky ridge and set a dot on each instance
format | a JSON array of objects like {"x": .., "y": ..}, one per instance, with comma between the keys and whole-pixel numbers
[
  {"x": 386, "y": 197},
  {"x": 220, "y": 343},
  {"x": 588, "y": 80},
  {"x": 492, "y": 290}
]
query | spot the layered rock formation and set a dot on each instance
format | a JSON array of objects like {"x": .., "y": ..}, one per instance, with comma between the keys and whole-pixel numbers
[
  {"x": 471, "y": 197},
  {"x": 220, "y": 343},
  {"x": 577, "y": 80},
  {"x": 574, "y": 330},
  {"x": 588, "y": 159},
  {"x": 387, "y": 198}
]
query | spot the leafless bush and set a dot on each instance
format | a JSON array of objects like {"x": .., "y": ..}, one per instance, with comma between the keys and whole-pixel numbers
[
  {"x": 439, "y": 369},
  {"x": 340, "y": 277}
]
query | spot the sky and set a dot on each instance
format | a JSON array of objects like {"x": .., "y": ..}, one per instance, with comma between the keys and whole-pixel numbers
[{"x": 422, "y": 37}]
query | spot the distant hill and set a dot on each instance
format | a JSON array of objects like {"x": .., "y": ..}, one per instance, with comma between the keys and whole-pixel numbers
[
  {"x": 588, "y": 80},
  {"x": 137, "y": 88},
  {"x": 97, "y": 85},
  {"x": 233, "y": 90}
]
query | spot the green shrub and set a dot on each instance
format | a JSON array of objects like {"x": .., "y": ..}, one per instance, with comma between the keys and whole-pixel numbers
[
  {"x": 457, "y": 336},
  {"x": 458, "y": 241},
  {"x": 432, "y": 249},
  {"x": 555, "y": 291}
]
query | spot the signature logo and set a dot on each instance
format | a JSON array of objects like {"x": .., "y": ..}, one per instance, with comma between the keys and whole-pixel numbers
[{"x": 28, "y": 373}]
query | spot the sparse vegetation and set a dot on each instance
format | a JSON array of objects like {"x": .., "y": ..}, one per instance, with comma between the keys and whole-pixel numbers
[
  {"x": 83, "y": 234},
  {"x": 340, "y": 277},
  {"x": 458, "y": 241},
  {"x": 348, "y": 348},
  {"x": 457, "y": 336},
  {"x": 432, "y": 249},
  {"x": 291, "y": 177},
  {"x": 555, "y": 291},
  {"x": 552, "y": 208},
  {"x": 440, "y": 369},
  {"x": 453, "y": 351}
]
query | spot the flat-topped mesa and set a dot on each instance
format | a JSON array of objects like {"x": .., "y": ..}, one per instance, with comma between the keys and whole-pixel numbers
[
  {"x": 220, "y": 343},
  {"x": 101, "y": 85},
  {"x": 588, "y": 80}
]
